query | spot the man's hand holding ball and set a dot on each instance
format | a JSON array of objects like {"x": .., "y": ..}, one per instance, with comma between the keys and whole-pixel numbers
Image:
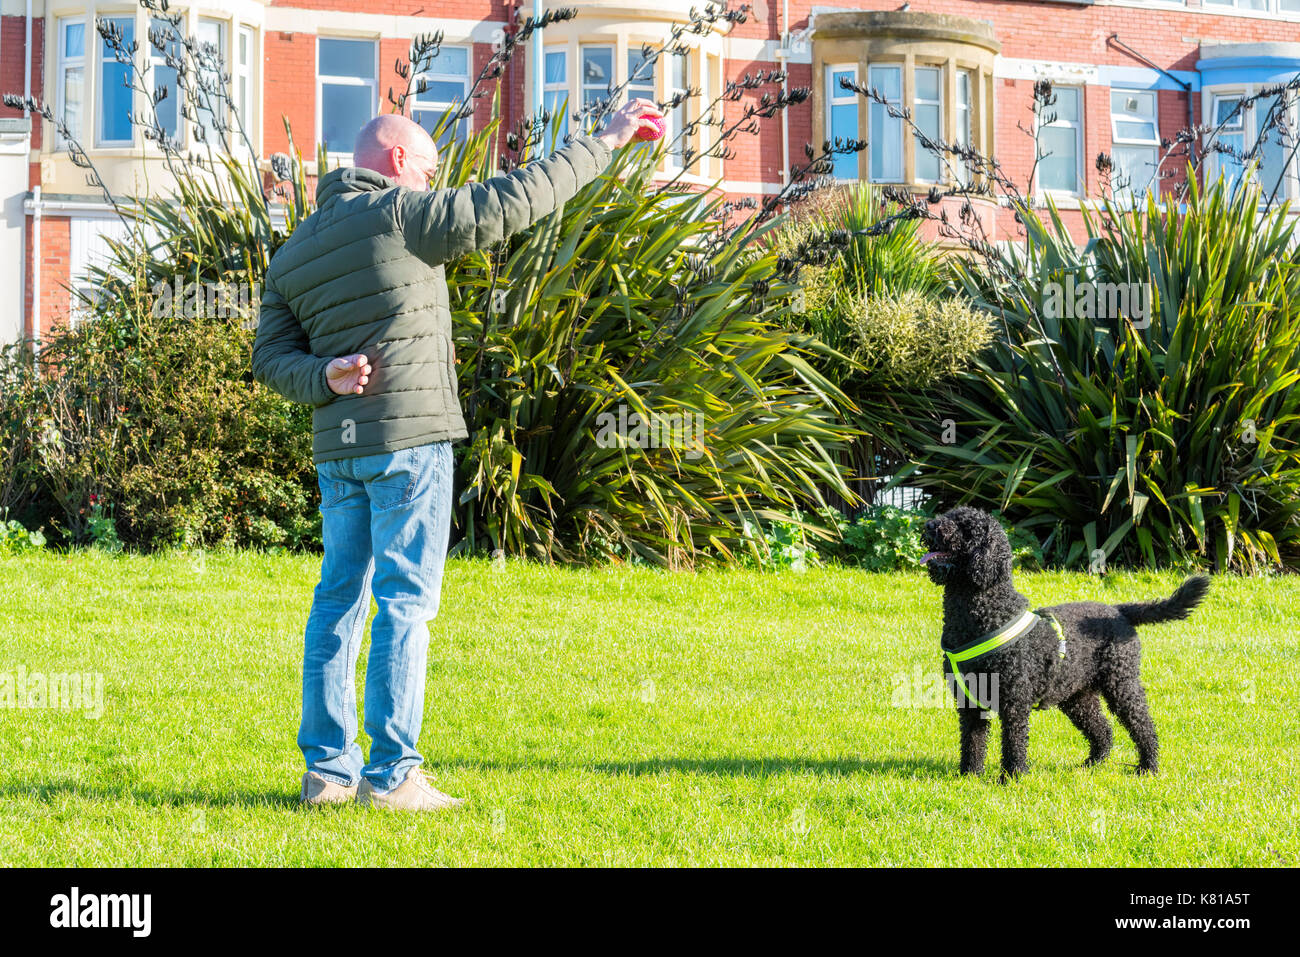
[{"x": 640, "y": 118}]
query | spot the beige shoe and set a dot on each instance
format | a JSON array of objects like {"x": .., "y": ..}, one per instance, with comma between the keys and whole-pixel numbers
[
  {"x": 413, "y": 794},
  {"x": 319, "y": 790}
]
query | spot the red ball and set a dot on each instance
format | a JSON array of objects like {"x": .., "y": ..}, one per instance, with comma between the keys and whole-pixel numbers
[{"x": 645, "y": 133}]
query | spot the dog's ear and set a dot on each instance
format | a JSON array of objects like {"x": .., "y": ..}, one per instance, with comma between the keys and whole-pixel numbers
[{"x": 990, "y": 559}]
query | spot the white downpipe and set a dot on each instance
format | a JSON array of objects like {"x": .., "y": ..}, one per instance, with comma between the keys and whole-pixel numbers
[
  {"x": 539, "y": 75},
  {"x": 28, "y": 256},
  {"x": 36, "y": 268}
]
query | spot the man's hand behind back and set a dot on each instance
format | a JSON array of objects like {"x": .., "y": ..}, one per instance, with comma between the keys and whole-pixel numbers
[{"x": 347, "y": 375}]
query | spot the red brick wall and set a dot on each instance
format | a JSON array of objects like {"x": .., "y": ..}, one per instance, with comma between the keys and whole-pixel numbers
[
  {"x": 55, "y": 263},
  {"x": 13, "y": 37}
]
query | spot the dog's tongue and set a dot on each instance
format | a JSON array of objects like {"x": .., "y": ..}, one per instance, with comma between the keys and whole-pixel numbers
[{"x": 932, "y": 555}]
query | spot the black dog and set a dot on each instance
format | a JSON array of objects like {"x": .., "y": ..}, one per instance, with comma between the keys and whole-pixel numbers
[{"x": 1064, "y": 658}]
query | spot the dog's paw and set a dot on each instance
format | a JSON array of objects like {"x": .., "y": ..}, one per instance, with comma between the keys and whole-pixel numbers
[{"x": 1009, "y": 775}]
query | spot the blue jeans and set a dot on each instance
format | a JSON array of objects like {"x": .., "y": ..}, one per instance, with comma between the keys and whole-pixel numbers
[{"x": 385, "y": 524}]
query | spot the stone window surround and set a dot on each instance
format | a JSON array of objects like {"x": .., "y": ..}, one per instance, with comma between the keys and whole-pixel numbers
[{"x": 910, "y": 39}]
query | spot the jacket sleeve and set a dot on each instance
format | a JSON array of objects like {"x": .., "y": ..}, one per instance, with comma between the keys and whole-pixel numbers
[
  {"x": 448, "y": 223},
  {"x": 282, "y": 356}
]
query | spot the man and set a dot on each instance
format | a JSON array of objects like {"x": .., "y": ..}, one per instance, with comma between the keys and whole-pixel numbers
[{"x": 355, "y": 322}]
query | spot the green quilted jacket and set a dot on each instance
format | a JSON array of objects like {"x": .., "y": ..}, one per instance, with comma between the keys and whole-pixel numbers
[{"x": 364, "y": 273}]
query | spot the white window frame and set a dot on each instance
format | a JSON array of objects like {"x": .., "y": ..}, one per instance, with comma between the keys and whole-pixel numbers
[
  {"x": 583, "y": 85},
  {"x": 224, "y": 50},
  {"x": 246, "y": 99},
  {"x": 560, "y": 116},
  {"x": 1153, "y": 143},
  {"x": 964, "y": 120},
  {"x": 838, "y": 97},
  {"x": 1249, "y": 125},
  {"x": 66, "y": 63},
  {"x": 343, "y": 157},
  {"x": 917, "y": 148},
  {"x": 101, "y": 60},
  {"x": 679, "y": 117},
  {"x": 1270, "y": 6},
  {"x": 901, "y": 67},
  {"x": 1080, "y": 177},
  {"x": 435, "y": 75},
  {"x": 175, "y": 95}
]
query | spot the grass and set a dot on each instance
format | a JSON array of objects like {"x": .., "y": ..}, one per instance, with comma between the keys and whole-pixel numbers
[{"x": 625, "y": 718}]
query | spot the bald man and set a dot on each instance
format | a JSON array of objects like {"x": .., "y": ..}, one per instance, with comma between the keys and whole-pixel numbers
[{"x": 355, "y": 322}]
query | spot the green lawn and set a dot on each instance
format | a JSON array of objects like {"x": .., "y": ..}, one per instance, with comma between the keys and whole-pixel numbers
[{"x": 625, "y": 717}]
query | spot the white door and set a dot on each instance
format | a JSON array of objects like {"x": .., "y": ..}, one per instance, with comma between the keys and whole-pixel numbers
[{"x": 13, "y": 193}]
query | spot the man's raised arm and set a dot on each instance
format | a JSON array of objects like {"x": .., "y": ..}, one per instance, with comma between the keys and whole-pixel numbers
[{"x": 448, "y": 223}]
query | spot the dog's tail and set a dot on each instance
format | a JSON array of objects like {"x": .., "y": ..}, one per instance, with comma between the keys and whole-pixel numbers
[{"x": 1174, "y": 608}]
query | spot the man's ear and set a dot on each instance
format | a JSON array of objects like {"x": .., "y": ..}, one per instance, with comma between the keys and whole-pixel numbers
[
  {"x": 990, "y": 559},
  {"x": 397, "y": 156}
]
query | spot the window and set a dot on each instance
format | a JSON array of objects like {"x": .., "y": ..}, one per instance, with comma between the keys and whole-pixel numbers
[
  {"x": 1263, "y": 6},
  {"x": 244, "y": 78},
  {"x": 1062, "y": 140},
  {"x": 1135, "y": 143},
  {"x": 885, "y": 136},
  {"x": 963, "y": 124},
  {"x": 164, "y": 45},
  {"x": 114, "y": 92},
  {"x": 927, "y": 104},
  {"x": 1244, "y": 130},
  {"x": 213, "y": 59},
  {"x": 597, "y": 77},
  {"x": 555, "y": 96},
  {"x": 447, "y": 85},
  {"x": 842, "y": 116},
  {"x": 347, "y": 94},
  {"x": 678, "y": 80},
  {"x": 72, "y": 76},
  {"x": 640, "y": 85}
]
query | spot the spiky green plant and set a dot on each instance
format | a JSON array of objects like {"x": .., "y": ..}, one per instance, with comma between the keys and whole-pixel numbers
[{"x": 1146, "y": 440}]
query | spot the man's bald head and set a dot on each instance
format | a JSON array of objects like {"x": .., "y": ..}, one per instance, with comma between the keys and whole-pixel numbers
[{"x": 397, "y": 147}]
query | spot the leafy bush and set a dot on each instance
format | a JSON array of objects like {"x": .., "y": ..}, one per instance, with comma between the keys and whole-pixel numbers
[
  {"x": 157, "y": 414},
  {"x": 1144, "y": 440},
  {"x": 912, "y": 339}
]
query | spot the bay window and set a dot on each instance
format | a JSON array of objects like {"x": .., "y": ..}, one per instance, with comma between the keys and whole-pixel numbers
[
  {"x": 72, "y": 76},
  {"x": 347, "y": 93},
  {"x": 885, "y": 134},
  {"x": 164, "y": 46},
  {"x": 927, "y": 114},
  {"x": 842, "y": 121},
  {"x": 244, "y": 79},
  {"x": 964, "y": 127},
  {"x": 597, "y": 77},
  {"x": 212, "y": 63},
  {"x": 555, "y": 96},
  {"x": 114, "y": 93},
  {"x": 678, "y": 81}
]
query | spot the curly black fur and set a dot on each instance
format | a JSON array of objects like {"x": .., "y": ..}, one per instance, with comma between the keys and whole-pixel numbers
[{"x": 971, "y": 557}]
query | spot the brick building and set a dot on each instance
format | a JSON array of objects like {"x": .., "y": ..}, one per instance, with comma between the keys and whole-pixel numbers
[{"x": 1127, "y": 72}]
